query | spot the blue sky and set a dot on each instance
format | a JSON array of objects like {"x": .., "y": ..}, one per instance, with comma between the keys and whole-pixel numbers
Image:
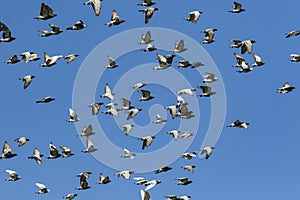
[{"x": 259, "y": 163}]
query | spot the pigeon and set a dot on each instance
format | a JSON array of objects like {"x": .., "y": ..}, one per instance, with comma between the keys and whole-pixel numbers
[
  {"x": 84, "y": 175},
  {"x": 292, "y": 33},
  {"x": 189, "y": 91},
  {"x": 286, "y": 88},
  {"x": 125, "y": 174},
  {"x": 112, "y": 111},
  {"x": 145, "y": 195},
  {"x": 148, "y": 13},
  {"x": 77, "y": 26},
  {"x": 147, "y": 141},
  {"x": 27, "y": 80},
  {"x": 127, "y": 128},
  {"x": 207, "y": 151},
  {"x": 13, "y": 176},
  {"x": 175, "y": 134},
  {"x": 73, "y": 116},
  {"x": 295, "y": 57},
  {"x": 206, "y": 91},
  {"x": 89, "y": 146},
  {"x": 103, "y": 180},
  {"x": 189, "y": 155},
  {"x": 45, "y": 13},
  {"x": 186, "y": 64},
  {"x": 7, "y": 152},
  {"x": 258, "y": 61},
  {"x": 37, "y": 156},
  {"x": 107, "y": 93},
  {"x": 150, "y": 47},
  {"x": 133, "y": 112},
  {"x": 179, "y": 47},
  {"x": 139, "y": 181},
  {"x": 83, "y": 180},
  {"x": 145, "y": 95},
  {"x": 245, "y": 68},
  {"x": 128, "y": 154},
  {"x": 152, "y": 183},
  {"x": 70, "y": 196},
  {"x": 21, "y": 141},
  {"x": 163, "y": 62},
  {"x": 96, "y": 4},
  {"x": 184, "y": 112},
  {"x": 112, "y": 63},
  {"x": 146, "y": 3},
  {"x": 239, "y": 60},
  {"x": 66, "y": 152},
  {"x": 237, "y": 8},
  {"x": 163, "y": 169},
  {"x": 43, "y": 189},
  {"x": 115, "y": 19},
  {"x": 239, "y": 124},
  {"x": 193, "y": 16},
  {"x": 126, "y": 104},
  {"x": 55, "y": 30},
  {"x": 53, "y": 152},
  {"x": 95, "y": 107},
  {"x": 146, "y": 38},
  {"x": 13, "y": 60},
  {"x": 87, "y": 131},
  {"x": 209, "y": 35},
  {"x": 180, "y": 101},
  {"x": 209, "y": 78},
  {"x": 190, "y": 168},
  {"x": 186, "y": 135},
  {"x": 183, "y": 181},
  {"x": 236, "y": 43},
  {"x": 71, "y": 57},
  {"x": 6, "y": 33},
  {"x": 50, "y": 61},
  {"x": 247, "y": 46},
  {"x": 46, "y": 99},
  {"x": 111, "y": 105},
  {"x": 138, "y": 85},
  {"x": 159, "y": 120},
  {"x": 29, "y": 56}
]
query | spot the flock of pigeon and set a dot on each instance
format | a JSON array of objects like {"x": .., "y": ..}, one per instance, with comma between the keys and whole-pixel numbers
[{"x": 179, "y": 109}]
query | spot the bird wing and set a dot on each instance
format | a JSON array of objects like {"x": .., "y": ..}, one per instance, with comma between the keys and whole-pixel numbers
[
  {"x": 147, "y": 37},
  {"x": 41, "y": 186},
  {"x": 180, "y": 45},
  {"x": 145, "y": 195},
  {"x": 53, "y": 150},
  {"x": 256, "y": 58},
  {"x": 145, "y": 93},
  {"x": 6, "y": 148},
  {"x": 73, "y": 114},
  {"x": 237, "y": 5},
  {"x": 114, "y": 15},
  {"x": 107, "y": 89},
  {"x": 96, "y": 4},
  {"x": 148, "y": 15}
]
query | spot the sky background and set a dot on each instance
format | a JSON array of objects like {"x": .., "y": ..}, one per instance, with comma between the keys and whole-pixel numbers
[{"x": 259, "y": 163}]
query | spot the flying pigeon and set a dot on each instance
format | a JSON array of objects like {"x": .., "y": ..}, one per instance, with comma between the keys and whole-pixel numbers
[
  {"x": 95, "y": 107},
  {"x": 152, "y": 183},
  {"x": 73, "y": 116},
  {"x": 125, "y": 174},
  {"x": 148, "y": 13},
  {"x": 66, "y": 152},
  {"x": 133, "y": 112},
  {"x": 13, "y": 60},
  {"x": 186, "y": 135},
  {"x": 207, "y": 151},
  {"x": 103, "y": 180},
  {"x": 87, "y": 131},
  {"x": 209, "y": 78},
  {"x": 96, "y": 4},
  {"x": 145, "y": 195},
  {"x": 286, "y": 88},
  {"x": 189, "y": 155},
  {"x": 6, "y": 34},
  {"x": 292, "y": 33},
  {"x": 21, "y": 141},
  {"x": 53, "y": 152},
  {"x": 50, "y": 61},
  {"x": 127, "y": 128},
  {"x": 145, "y": 95},
  {"x": 159, "y": 120},
  {"x": 193, "y": 16},
  {"x": 258, "y": 61},
  {"x": 295, "y": 57},
  {"x": 89, "y": 146},
  {"x": 138, "y": 85},
  {"x": 71, "y": 57},
  {"x": 29, "y": 56},
  {"x": 128, "y": 154},
  {"x": 112, "y": 63},
  {"x": 189, "y": 91},
  {"x": 147, "y": 141},
  {"x": 150, "y": 47},
  {"x": 146, "y": 38},
  {"x": 55, "y": 30},
  {"x": 7, "y": 152},
  {"x": 37, "y": 156},
  {"x": 46, "y": 99},
  {"x": 237, "y": 8},
  {"x": 189, "y": 168},
  {"x": 45, "y": 13},
  {"x": 77, "y": 26},
  {"x": 146, "y": 3},
  {"x": 115, "y": 19},
  {"x": 247, "y": 46},
  {"x": 209, "y": 35},
  {"x": 175, "y": 134},
  {"x": 43, "y": 189},
  {"x": 163, "y": 169},
  {"x": 206, "y": 91},
  {"x": 183, "y": 181},
  {"x": 239, "y": 124},
  {"x": 70, "y": 196},
  {"x": 107, "y": 93},
  {"x": 27, "y": 80},
  {"x": 179, "y": 47},
  {"x": 13, "y": 176}
]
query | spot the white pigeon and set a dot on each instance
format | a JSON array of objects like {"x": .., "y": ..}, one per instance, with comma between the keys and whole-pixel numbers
[
  {"x": 21, "y": 141},
  {"x": 179, "y": 47},
  {"x": 147, "y": 141},
  {"x": 128, "y": 154},
  {"x": 152, "y": 183},
  {"x": 286, "y": 88},
  {"x": 145, "y": 195},
  {"x": 27, "y": 80},
  {"x": 295, "y": 57},
  {"x": 115, "y": 19},
  {"x": 133, "y": 112},
  {"x": 207, "y": 151},
  {"x": 247, "y": 46},
  {"x": 193, "y": 16},
  {"x": 107, "y": 93},
  {"x": 189, "y": 155},
  {"x": 127, "y": 128},
  {"x": 29, "y": 56},
  {"x": 146, "y": 38},
  {"x": 89, "y": 146},
  {"x": 209, "y": 78},
  {"x": 112, "y": 62},
  {"x": 103, "y": 179},
  {"x": 189, "y": 91},
  {"x": 87, "y": 131},
  {"x": 6, "y": 151},
  {"x": 13, "y": 176},
  {"x": 96, "y": 4},
  {"x": 125, "y": 174},
  {"x": 37, "y": 156},
  {"x": 73, "y": 116},
  {"x": 159, "y": 120},
  {"x": 50, "y": 61},
  {"x": 174, "y": 133},
  {"x": 70, "y": 196},
  {"x": 43, "y": 189}
]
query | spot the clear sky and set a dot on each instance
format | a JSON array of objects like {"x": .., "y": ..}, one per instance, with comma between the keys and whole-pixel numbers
[{"x": 261, "y": 163}]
